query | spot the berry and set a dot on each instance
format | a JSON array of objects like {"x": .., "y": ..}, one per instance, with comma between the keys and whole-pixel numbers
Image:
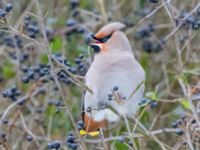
[
  {"x": 153, "y": 1},
  {"x": 71, "y": 22},
  {"x": 143, "y": 12},
  {"x": 2, "y": 135},
  {"x": 11, "y": 93},
  {"x": 80, "y": 125},
  {"x": 110, "y": 96},
  {"x": 56, "y": 144},
  {"x": 144, "y": 31},
  {"x": 80, "y": 56},
  {"x": 145, "y": 100},
  {"x": 130, "y": 143},
  {"x": 77, "y": 61},
  {"x": 174, "y": 125},
  {"x": 2, "y": 13},
  {"x": 74, "y": 3},
  {"x": 151, "y": 46},
  {"x": 153, "y": 104},
  {"x": 115, "y": 88},
  {"x": 25, "y": 79},
  {"x": 8, "y": 7},
  {"x": 193, "y": 121},
  {"x": 5, "y": 94},
  {"x": 20, "y": 103},
  {"x": 5, "y": 121},
  {"x": 89, "y": 109},
  {"x": 29, "y": 138},
  {"x": 179, "y": 131},
  {"x": 88, "y": 38},
  {"x": 80, "y": 30},
  {"x": 50, "y": 145},
  {"x": 70, "y": 139},
  {"x": 57, "y": 110},
  {"x": 73, "y": 146}
]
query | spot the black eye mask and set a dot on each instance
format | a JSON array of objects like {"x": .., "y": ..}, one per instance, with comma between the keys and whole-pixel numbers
[{"x": 104, "y": 39}]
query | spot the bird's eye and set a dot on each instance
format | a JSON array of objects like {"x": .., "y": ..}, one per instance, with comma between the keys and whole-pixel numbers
[{"x": 104, "y": 39}]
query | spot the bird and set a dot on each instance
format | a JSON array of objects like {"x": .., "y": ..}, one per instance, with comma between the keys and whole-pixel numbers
[{"x": 115, "y": 78}]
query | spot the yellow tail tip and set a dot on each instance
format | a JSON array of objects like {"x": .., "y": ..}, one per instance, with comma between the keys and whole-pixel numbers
[{"x": 94, "y": 133}]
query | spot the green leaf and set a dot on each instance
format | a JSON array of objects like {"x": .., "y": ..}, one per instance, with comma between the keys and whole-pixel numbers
[
  {"x": 56, "y": 44},
  {"x": 183, "y": 78},
  {"x": 152, "y": 95},
  {"x": 142, "y": 2},
  {"x": 151, "y": 145},
  {"x": 185, "y": 103},
  {"x": 8, "y": 71},
  {"x": 145, "y": 118},
  {"x": 144, "y": 61},
  {"x": 120, "y": 146},
  {"x": 44, "y": 59}
]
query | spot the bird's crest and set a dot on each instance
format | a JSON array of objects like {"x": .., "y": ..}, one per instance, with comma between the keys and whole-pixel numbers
[{"x": 109, "y": 29}]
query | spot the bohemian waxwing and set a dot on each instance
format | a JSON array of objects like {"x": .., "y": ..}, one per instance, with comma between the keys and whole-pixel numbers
[{"x": 115, "y": 78}]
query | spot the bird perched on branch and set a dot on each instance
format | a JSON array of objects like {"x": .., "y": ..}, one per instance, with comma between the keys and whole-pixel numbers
[{"x": 115, "y": 78}]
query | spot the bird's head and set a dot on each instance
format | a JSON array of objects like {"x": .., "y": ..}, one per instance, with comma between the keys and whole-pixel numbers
[{"x": 110, "y": 38}]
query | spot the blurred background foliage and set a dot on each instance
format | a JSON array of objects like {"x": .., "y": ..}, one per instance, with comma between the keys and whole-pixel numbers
[{"x": 169, "y": 65}]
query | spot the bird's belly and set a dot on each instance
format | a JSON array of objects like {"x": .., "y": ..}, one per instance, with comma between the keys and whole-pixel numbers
[{"x": 126, "y": 83}]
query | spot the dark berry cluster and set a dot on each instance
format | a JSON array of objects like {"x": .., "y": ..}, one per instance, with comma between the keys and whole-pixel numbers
[
  {"x": 13, "y": 93},
  {"x": 74, "y": 21},
  {"x": 153, "y": 1},
  {"x": 184, "y": 124},
  {"x": 192, "y": 21},
  {"x": 23, "y": 57},
  {"x": 74, "y": 3},
  {"x": 79, "y": 67},
  {"x": 146, "y": 101},
  {"x": 54, "y": 145},
  {"x": 74, "y": 24},
  {"x": 143, "y": 12},
  {"x": 88, "y": 37},
  {"x": 71, "y": 141},
  {"x": 3, "y": 138},
  {"x": 116, "y": 95},
  {"x": 63, "y": 76},
  {"x": 149, "y": 44},
  {"x": 57, "y": 103},
  {"x": 89, "y": 109},
  {"x": 33, "y": 31},
  {"x": 35, "y": 72},
  {"x": 42, "y": 72},
  {"x": 31, "y": 27},
  {"x": 81, "y": 64},
  {"x": 7, "y": 9},
  {"x": 144, "y": 31},
  {"x": 80, "y": 125},
  {"x": 111, "y": 95},
  {"x": 12, "y": 41}
]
